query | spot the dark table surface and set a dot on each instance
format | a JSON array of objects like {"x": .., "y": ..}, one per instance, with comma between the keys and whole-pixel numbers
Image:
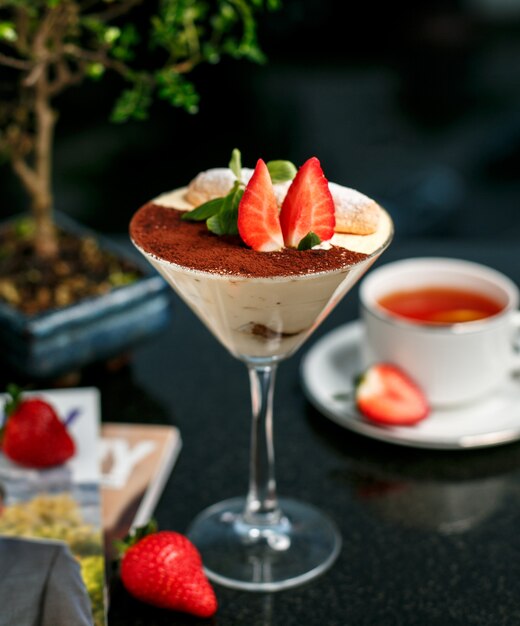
[{"x": 430, "y": 538}]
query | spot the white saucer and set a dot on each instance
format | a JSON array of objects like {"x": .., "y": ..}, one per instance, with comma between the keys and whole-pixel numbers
[{"x": 329, "y": 368}]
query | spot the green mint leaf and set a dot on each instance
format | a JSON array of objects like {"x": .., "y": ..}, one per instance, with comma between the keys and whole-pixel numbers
[
  {"x": 225, "y": 221},
  {"x": 309, "y": 241},
  {"x": 204, "y": 211},
  {"x": 281, "y": 171},
  {"x": 235, "y": 165},
  {"x": 214, "y": 225},
  {"x": 229, "y": 212}
]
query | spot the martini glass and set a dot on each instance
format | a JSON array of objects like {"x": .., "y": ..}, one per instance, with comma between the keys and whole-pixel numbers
[{"x": 262, "y": 542}]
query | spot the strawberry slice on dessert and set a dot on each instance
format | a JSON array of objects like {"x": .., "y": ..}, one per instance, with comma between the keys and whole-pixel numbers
[
  {"x": 258, "y": 218},
  {"x": 308, "y": 206},
  {"x": 386, "y": 395}
]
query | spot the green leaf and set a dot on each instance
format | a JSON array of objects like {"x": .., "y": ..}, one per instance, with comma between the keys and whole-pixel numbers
[
  {"x": 229, "y": 212},
  {"x": 214, "y": 225},
  {"x": 225, "y": 221},
  {"x": 281, "y": 171},
  {"x": 235, "y": 165},
  {"x": 121, "y": 41},
  {"x": 111, "y": 34},
  {"x": 14, "y": 397},
  {"x": 148, "y": 529},
  {"x": 309, "y": 241},
  {"x": 135, "y": 102},
  {"x": 8, "y": 31},
  {"x": 177, "y": 90},
  {"x": 135, "y": 535},
  {"x": 204, "y": 211},
  {"x": 95, "y": 71}
]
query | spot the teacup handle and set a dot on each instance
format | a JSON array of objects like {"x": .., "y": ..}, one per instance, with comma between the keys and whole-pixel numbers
[{"x": 516, "y": 343}]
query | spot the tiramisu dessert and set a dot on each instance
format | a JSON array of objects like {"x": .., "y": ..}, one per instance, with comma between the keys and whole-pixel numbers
[{"x": 261, "y": 256}]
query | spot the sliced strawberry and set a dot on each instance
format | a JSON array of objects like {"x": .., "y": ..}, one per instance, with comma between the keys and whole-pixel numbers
[
  {"x": 386, "y": 395},
  {"x": 308, "y": 206},
  {"x": 258, "y": 219}
]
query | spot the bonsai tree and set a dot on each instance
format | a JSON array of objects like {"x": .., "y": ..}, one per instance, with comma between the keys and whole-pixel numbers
[{"x": 47, "y": 46}]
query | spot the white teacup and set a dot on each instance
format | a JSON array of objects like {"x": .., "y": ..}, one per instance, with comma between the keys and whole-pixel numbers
[{"x": 453, "y": 363}]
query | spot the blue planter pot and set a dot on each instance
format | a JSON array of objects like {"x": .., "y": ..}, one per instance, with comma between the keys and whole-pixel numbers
[{"x": 60, "y": 340}]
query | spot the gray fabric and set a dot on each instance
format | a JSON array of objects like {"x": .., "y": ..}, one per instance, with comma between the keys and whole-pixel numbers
[{"x": 41, "y": 585}]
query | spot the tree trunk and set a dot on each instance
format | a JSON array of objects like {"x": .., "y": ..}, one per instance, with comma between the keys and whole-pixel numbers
[{"x": 45, "y": 238}]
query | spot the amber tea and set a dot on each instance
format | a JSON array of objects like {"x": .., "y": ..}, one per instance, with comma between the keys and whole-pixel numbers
[{"x": 440, "y": 305}]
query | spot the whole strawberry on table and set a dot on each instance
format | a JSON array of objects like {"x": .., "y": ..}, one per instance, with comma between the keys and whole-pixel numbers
[
  {"x": 32, "y": 433},
  {"x": 164, "y": 569}
]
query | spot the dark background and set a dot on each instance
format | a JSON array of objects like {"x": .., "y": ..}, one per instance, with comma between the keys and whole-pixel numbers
[{"x": 415, "y": 103}]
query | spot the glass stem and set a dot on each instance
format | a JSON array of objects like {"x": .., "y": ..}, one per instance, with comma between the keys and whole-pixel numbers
[{"x": 262, "y": 503}]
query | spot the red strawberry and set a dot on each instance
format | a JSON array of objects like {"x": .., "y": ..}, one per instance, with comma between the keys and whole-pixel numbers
[
  {"x": 34, "y": 435},
  {"x": 386, "y": 395},
  {"x": 258, "y": 220},
  {"x": 165, "y": 569},
  {"x": 308, "y": 206}
]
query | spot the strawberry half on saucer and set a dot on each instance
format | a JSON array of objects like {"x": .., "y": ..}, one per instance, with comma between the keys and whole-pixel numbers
[{"x": 387, "y": 396}]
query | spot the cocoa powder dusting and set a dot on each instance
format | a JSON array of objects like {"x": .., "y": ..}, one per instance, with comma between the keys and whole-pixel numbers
[{"x": 161, "y": 231}]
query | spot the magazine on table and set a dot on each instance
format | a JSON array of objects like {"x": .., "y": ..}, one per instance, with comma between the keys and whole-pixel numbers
[
  {"x": 73, "y": 513},
  {"x": 51, "y": 536},
  {"x": 136, "y": 462}
]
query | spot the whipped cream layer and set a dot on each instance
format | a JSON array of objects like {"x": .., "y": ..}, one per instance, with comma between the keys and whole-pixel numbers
[{"x": 257, "y": 317}]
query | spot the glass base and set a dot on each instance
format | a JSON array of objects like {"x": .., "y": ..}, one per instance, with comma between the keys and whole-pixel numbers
[{"x": 270, "y": 555}]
